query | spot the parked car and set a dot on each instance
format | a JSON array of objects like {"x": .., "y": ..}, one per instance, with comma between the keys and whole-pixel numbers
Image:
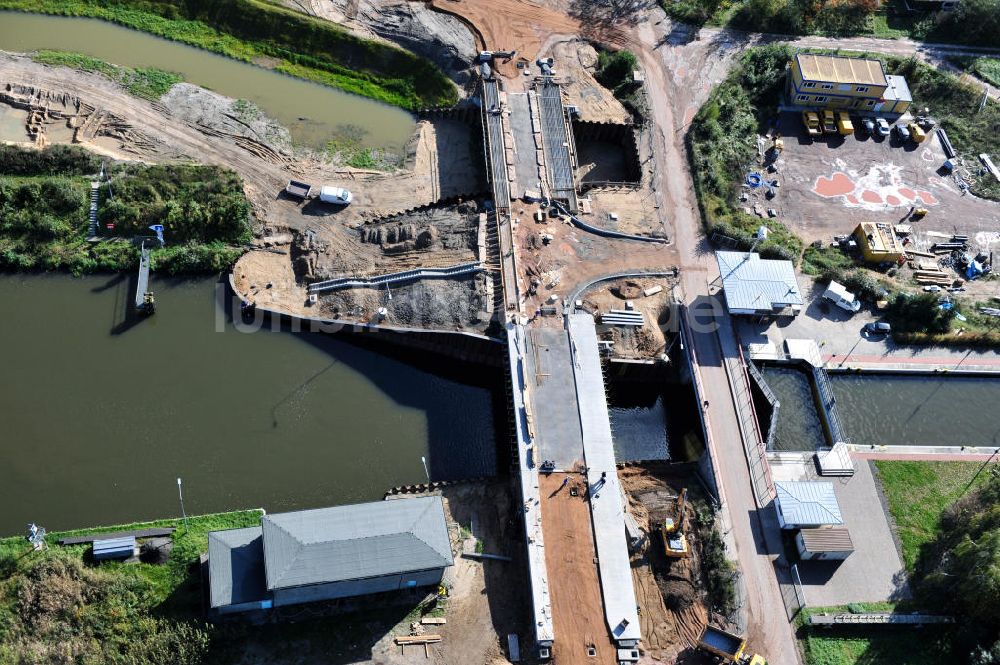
[
  {"x": 882, "y": 127},
  {"x": 869, "y": 126},
  {"x": 844, "y": 124},
  {"x": 829, "y": 122},
  {"x": 917, "y": 133},
  {"x": 903, "y": 133},
  {"x": 337, "y": 195},
  {"x": 877, "y": 328}
]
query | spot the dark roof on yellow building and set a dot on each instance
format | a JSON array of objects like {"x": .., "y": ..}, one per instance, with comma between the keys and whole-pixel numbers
[{"x": 838, "y": 69}]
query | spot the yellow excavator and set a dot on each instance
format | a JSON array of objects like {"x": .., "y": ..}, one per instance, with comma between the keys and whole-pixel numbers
[{"x": 675, "y": 544}]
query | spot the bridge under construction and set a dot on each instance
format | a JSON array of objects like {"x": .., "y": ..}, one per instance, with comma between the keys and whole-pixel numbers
[{"x": 583, "y": 600}]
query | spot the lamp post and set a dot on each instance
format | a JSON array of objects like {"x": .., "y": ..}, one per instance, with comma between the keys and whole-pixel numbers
[{"x": 180, "y": 495}]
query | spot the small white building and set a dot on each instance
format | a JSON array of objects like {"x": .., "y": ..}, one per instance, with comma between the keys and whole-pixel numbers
[
  {"x": 806, "y": 505},
  {"x": 758, "y": 287}
]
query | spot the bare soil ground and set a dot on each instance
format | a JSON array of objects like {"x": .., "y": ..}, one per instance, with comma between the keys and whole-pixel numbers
[
  {"x": 483, "y": 606},
  {"x": 830, "y": 185},
  {"x": 577, "y": 608},
  {"x": 574, "y": 257},
  {"x": 672, "y": 607},
  {"x": 650, "y": 340}
]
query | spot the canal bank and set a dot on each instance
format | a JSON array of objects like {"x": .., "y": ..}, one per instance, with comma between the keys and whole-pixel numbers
[
  {"x": 104, "y": 413},
  {"x": 313, "y": 113}
]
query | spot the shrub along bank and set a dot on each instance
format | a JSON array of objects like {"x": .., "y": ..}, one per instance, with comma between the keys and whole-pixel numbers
[
  {"x": 722, "y": 145},
  {"x": 258, "y": 31},
  {"x": 44, "y": 217},
  {"x": 146, "y": 83},
  {"x": 973, "y": 22},
  {"x": 57, "y": 607}
]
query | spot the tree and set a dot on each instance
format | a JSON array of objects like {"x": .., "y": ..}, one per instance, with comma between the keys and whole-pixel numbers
[
  {"x": 961, "y": 569},
  {"x": 973, "y": 22}
]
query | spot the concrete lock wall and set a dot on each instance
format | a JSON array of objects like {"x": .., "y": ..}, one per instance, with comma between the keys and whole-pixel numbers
[{"x": 317, "y": 592}]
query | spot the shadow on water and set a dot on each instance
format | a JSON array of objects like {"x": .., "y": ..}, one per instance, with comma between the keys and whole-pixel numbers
[{"x": 377, "y": 357}]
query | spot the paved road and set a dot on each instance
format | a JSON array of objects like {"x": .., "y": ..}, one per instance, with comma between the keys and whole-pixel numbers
[{"x": 671, "y": 100}]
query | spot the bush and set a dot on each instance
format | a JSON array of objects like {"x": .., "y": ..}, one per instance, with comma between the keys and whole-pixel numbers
[
  {"x": 51, "y": 160},
  {"x": 192, "y": 202},
  {"x": 918, "y": 314},
  {"x": 719, "y": 571},
  {"x": 614, "y": 72},
  {"x": 44, "y": 219},
  {"x": 972, "y": 22},
  {"x": 961, "y": 572}
]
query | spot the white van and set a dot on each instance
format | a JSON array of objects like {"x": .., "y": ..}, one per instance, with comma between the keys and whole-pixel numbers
[
  {"x": 337, "y": 195},
  {"x": 838, "y": 294}
]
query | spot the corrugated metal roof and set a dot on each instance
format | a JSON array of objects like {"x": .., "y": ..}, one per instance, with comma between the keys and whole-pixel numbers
[
  {"x": 827, "y": 540},
  {"x": 753, "y": 283},
  {"x": 838, "y": 69},
  {"x": 355, "y": 542},
  {"x": 803, "y": 502},
  {"x": 236, "y": 566}
]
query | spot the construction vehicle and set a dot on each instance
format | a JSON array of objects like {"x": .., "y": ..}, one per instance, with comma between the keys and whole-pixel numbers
[
  {"x": 728, "y": 647},
  {"x": 844, "y": 124},
  {"x": 811, "y": 121},
  {"x": 675, "y": 543},
  {"x": 829, "y": 122},
  {"x": 919, "y": 213}
]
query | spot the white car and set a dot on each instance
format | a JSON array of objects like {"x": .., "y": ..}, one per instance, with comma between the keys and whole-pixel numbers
[
  {"x": 882, "y": 127},
  {"x": 337, "y": 195}
]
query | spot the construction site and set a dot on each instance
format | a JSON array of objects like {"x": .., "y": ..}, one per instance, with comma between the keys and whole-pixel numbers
[
  {"x": 526, "y": 203},
  {"x": 545, "y": 217}
]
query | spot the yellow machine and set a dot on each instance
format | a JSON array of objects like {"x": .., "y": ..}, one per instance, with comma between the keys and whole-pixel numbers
[
  {"x": 675, "y": 543},
  {"x": 844, "y": 124},
  {"x": 728, "y": 647},
  {"x": 811, "y": 121},
  {"x": 917, "y": 132},
  {"x": 829, "y": 122}
]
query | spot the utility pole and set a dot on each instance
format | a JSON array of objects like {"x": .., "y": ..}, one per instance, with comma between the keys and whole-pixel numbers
[
  {"x": 423, "y": 460},
  {"x": 180, "y": 495}
]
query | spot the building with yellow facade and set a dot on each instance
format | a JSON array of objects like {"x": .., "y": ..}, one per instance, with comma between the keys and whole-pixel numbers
[
  {"x": 878, "y": 242},
  {"x": 837, "y": 82}
]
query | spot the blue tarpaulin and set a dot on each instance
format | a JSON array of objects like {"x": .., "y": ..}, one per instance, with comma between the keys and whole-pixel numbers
[{"x": 974, "y": 270}]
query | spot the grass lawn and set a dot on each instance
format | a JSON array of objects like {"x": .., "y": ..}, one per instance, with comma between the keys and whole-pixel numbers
[
  {"x": 871, "y": 645},
  {"x": 918, "y": 492}
]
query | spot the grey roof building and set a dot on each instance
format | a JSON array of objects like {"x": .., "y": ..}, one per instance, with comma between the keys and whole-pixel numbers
[
  {"x": 803, "y": 504},
  {"x": 236, "y": 569},
  {"x": 758, "y": 286},
  {"x": 328, "y": 553}
]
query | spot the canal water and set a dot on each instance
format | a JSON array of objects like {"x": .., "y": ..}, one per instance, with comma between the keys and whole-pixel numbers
[
  {"x": 101, "y": 415},
  {"x": 888, "y": 409},
  {"x": 314, "y": 114},
  {"x": 654, "y": 421},
  {"x": 929, "y": 410},
  {"x": 798, "y": 426}
]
